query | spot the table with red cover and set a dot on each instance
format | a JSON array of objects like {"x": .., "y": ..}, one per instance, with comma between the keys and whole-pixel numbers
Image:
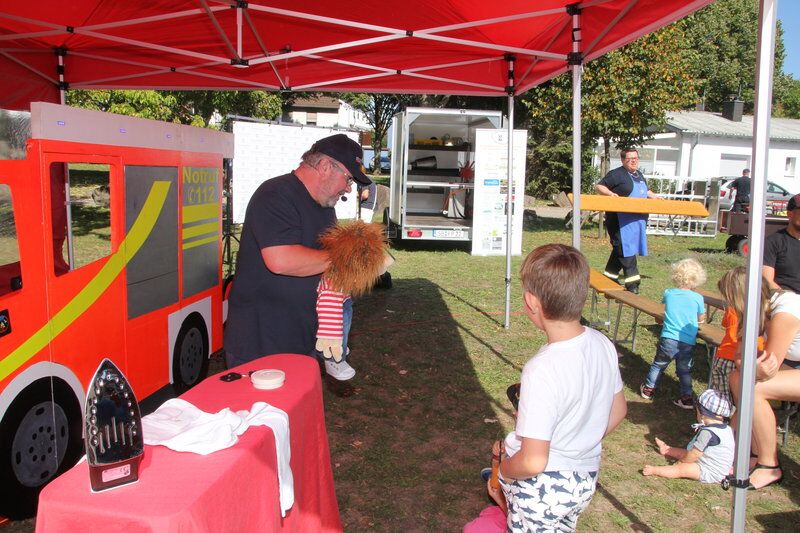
[{"x": 235, "y": 489}]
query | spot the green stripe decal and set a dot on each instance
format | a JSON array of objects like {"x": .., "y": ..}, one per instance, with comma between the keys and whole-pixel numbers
[
  {"x": 195, "y": 213},
  {"x": 192, "y": 244},
  {"x": 203, "y": 229},
  {"x": 94, "y": 289}
]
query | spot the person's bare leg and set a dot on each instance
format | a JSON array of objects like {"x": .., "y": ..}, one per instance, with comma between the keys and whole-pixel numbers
[
  {"x": 785, "y": 385},
  {"x": 675, "y": 471}
]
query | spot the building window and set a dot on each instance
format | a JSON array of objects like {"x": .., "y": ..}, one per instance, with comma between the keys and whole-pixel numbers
[
  {"x": 311, "y": 119},
  {"x": 791, "y": 162}
]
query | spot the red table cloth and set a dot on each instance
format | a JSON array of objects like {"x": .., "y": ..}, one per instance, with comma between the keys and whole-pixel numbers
[{"x": 235, "y": 489}]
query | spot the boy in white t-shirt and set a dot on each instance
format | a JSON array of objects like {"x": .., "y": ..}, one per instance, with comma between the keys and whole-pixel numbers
[{"x": 571, "y": 397}]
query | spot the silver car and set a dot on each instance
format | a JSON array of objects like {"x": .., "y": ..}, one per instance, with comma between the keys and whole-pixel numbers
[{"x": 777, "y": 196}]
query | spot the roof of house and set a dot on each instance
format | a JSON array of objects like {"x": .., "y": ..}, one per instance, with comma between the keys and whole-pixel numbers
[
  {"x": 320, "y": 102},
  {"x": 708, "y": 123}
]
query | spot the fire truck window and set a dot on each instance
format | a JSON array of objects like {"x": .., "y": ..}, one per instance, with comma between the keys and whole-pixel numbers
[
  {"x": 10, "y": 277},
  {"x": 80, "y": 213}
]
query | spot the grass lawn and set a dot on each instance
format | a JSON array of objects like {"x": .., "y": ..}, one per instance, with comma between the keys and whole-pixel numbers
[{"x": 434, "y": 360}]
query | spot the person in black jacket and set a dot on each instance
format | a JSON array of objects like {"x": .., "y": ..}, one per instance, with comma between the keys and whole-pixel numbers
[
  {"x": 742, "y": 187},
  {"x": 627, "y": 231}
]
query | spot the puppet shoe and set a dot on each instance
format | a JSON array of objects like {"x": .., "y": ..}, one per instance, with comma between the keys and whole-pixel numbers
[{"x": 340, "y": 371}]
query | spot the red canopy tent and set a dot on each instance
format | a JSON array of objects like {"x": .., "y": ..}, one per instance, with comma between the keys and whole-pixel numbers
[
  {"x": 414, "y": 46},
  {"x": 470, "y": 47}
]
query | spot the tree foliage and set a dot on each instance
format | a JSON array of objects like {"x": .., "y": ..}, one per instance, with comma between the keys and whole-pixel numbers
[
  {"x": 788, "y": 88},
  {"x": 721, "y": 40},
  {"x": 379, "y": 110},
  {"x": 625, "y": 95},
  {"x": 154, "y": 105},
  {"x": 197, "y": 108}
]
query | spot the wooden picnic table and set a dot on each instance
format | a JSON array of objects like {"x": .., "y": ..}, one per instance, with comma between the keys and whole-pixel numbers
[{"x": 623, "y": 204}]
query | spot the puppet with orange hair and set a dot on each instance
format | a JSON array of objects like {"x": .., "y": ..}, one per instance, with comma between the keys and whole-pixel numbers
[{"x": 358, "y": 255}]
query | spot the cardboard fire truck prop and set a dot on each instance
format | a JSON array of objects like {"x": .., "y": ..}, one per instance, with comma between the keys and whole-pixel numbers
[{"x": 110, "y": 247}]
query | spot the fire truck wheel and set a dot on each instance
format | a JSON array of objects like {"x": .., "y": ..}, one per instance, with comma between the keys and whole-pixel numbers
[
  {"x": 190, "y": 355},
  {"x": 40, "y": 437}
]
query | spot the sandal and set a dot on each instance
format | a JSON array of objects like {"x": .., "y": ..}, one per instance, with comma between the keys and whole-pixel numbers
[{"x": 759, "y": 466}]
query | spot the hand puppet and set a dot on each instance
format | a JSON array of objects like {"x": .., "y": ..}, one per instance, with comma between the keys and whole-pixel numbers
[{"x": 358, "y": 255}]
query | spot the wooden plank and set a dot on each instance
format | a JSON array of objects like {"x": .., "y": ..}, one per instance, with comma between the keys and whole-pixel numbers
[
  {"x": 623, "y": 204},
  {"x": 711, "y": 334},
  {"x": 602, "y": 284},
  {"x": 643, "y": 304},
  {"x": 712, "y": 298}
]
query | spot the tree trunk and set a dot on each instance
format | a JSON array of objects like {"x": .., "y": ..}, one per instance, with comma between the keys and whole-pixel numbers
[{"x": 605, "y": 160}]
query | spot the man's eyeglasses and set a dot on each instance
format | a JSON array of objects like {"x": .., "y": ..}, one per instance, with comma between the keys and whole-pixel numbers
[{"x": 350, "y": 179}]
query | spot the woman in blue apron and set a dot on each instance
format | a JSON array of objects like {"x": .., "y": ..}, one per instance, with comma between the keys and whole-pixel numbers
[{"x": 627, "y": 231}]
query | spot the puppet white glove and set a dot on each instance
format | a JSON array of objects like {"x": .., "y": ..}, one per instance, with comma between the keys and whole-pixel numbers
[{"x": 330, "y": 348}]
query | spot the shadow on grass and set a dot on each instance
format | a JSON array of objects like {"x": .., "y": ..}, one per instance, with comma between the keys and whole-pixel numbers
[
  {"x": 636, "y": 523},
  {"x": 493, "y": 318},
  {"x": 408, "y": 444}
]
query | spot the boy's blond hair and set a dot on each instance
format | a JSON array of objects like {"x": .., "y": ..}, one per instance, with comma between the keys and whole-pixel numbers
[
  {"x": 558, "y": 275},
  {"x": 688, "y": 273}
]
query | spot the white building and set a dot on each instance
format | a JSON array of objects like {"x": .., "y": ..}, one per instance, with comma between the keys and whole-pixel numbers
[
  {"x": 326, "y": 112},
  {"x": 701, "y": 144}
]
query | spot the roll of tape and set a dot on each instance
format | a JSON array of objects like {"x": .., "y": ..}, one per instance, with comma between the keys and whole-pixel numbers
[{"x": 267, "y": 379}]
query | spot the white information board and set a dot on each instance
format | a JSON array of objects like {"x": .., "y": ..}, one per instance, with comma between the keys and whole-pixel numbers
[
  {"x": 491, "y": 186},
  {"x": 265, "y": 151}
]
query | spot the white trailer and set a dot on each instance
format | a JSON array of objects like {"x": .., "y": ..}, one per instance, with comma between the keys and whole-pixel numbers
[{"x": 449, "y": 178}]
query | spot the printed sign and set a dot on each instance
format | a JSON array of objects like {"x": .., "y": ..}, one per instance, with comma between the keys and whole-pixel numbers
[{"x": 491, "y": 192}]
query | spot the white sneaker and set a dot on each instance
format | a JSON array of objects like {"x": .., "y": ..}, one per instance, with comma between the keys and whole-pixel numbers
[{"x": 341, "y": 371}]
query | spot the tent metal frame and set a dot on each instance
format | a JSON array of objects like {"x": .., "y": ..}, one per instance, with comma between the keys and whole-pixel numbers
[{"x": 579, "y": 55}]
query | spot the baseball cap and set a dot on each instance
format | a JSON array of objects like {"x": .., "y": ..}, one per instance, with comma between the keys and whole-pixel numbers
[
  {"x": 347, "y": 152},
  {"x": 794, "y": 202},
  {"x": 714, "y": 403}
]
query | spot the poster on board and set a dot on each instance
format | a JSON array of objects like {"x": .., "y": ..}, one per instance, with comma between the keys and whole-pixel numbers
[
  {"x": 491, "y": 187},
  {"x": 264, "y": 151}
]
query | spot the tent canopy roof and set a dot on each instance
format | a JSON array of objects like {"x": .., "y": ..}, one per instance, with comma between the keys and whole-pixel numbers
[{"x": 413, "y": 46}]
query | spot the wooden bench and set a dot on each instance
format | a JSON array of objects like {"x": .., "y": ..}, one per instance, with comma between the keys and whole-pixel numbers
[
  {"x": 713, "y": 300},
  {"x": 600, "y": 284},
  {"x": 709, "y": 333},
  {"x": 639, "y": 304}
]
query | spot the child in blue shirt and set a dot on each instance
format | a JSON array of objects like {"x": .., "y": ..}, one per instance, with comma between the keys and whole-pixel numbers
[{"x": 684, "y": 310}]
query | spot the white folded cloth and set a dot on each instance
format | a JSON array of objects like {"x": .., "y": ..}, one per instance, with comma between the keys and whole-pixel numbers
[{"x": 182, "y": 427}]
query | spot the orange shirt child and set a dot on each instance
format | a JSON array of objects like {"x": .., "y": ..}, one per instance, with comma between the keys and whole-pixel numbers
[{"x": 730, "y": 343}]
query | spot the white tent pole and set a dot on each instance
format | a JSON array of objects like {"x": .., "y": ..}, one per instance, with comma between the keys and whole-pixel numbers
[
  {"x": 510, "y": 188},
  {"x": 761, "y": 119},
  {"x": 575, "y": 61}
]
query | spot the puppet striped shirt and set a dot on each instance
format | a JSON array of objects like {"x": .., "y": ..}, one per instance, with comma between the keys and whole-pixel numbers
[{"x": 329, "y": 310}]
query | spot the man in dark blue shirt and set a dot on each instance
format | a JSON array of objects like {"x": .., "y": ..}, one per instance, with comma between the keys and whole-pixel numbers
[{"x": 271, "y": 308}]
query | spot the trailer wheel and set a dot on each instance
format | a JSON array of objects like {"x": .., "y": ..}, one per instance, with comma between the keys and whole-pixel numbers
[
  {"x": 190, "y": 354},
  {"x": 743, "y": 247},
  {"x": 40, "y": 437},
  {"x": 732, "y": 244}
]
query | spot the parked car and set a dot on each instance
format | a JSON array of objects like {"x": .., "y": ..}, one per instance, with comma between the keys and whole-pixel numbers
[
  {"x": 369, "y": 160},
  {"x": 777, "y": 196}
]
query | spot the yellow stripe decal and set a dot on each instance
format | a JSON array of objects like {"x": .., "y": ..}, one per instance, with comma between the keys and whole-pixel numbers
[
  {"x": 94, "y": 289},
  {"x": 202, "y": 229},
  {"x": 193, "y": 213},
  {"x": 187, "y": 245}
]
